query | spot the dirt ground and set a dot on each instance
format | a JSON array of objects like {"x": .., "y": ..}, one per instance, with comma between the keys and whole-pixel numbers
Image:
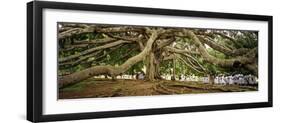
[{"x": 98, "y": 88}]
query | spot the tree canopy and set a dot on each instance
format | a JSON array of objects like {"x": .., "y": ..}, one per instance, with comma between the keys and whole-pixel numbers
[{"x": 87, "y": 50}]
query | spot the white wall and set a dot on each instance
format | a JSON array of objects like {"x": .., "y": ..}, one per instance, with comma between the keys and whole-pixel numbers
[{"x": 13, "y": 61}]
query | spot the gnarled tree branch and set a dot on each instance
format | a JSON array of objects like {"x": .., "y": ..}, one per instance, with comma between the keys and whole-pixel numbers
[
  {"x": 209, "y": 58},
  {"x": 109, "y": 70},
  {"x": 92, "y": 50}
]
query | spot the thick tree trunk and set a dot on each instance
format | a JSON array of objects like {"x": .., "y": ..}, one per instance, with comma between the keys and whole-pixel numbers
[
  {"x": 151, "y": 68},
  {"x": 174, "y": 69},
  {"x": 211, "y": 79},
  {"x": 157, "y": 71}
]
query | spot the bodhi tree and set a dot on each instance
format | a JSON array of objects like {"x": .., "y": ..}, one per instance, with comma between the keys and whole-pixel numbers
[{"x": 87, "y": 50}]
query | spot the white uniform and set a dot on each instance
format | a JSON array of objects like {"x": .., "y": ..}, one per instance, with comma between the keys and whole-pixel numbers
[
  {"x": 216, "y": 80},
  {"x": 231, "y": 81},
  {"x": 205, "y": 80},
  {"x": 224, "y": 80},
  {"x": 241, "y": 80}
]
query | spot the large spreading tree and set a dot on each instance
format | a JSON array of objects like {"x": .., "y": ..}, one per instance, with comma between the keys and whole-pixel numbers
[{"x": 87, "y": 50}]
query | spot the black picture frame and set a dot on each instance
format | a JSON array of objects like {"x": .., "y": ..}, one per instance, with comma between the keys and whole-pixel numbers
[{"x": 35, "y": 69}]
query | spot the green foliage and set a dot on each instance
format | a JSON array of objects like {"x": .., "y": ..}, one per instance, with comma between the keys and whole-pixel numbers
[
  {"x": 136, "y": 68},
  {"x": 215, "y": 53},
  {"x": 166, "y": 67}
]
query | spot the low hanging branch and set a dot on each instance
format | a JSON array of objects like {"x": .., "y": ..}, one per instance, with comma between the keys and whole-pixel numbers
[
  {"x": 97, "y": 29},
  {"x": 194, "y": 62},
  {"x": 96, "y": 41},
  {"x": 189, "y": 65},
  {"x": 109, "y": 70},
  {"x": 92, "y": 50},
  {"x": 74, "y": 63},
  {"x": 186, "y": 53},
  {"x": 86, "y": 57},
  {"x": 211, "y": 59},
  {"x": 222, "y": 49},
  {"x": 175, "y": 50}
]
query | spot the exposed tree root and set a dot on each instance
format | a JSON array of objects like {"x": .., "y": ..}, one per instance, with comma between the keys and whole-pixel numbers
[{"x": 106, "y": 88}]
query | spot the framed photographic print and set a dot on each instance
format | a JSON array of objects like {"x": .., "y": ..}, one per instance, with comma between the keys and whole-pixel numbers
[{"x": 94, "y": 61}]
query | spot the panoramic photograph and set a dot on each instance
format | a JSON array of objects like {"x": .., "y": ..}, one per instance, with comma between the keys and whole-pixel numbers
[{"x": 107, "y": 60}]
